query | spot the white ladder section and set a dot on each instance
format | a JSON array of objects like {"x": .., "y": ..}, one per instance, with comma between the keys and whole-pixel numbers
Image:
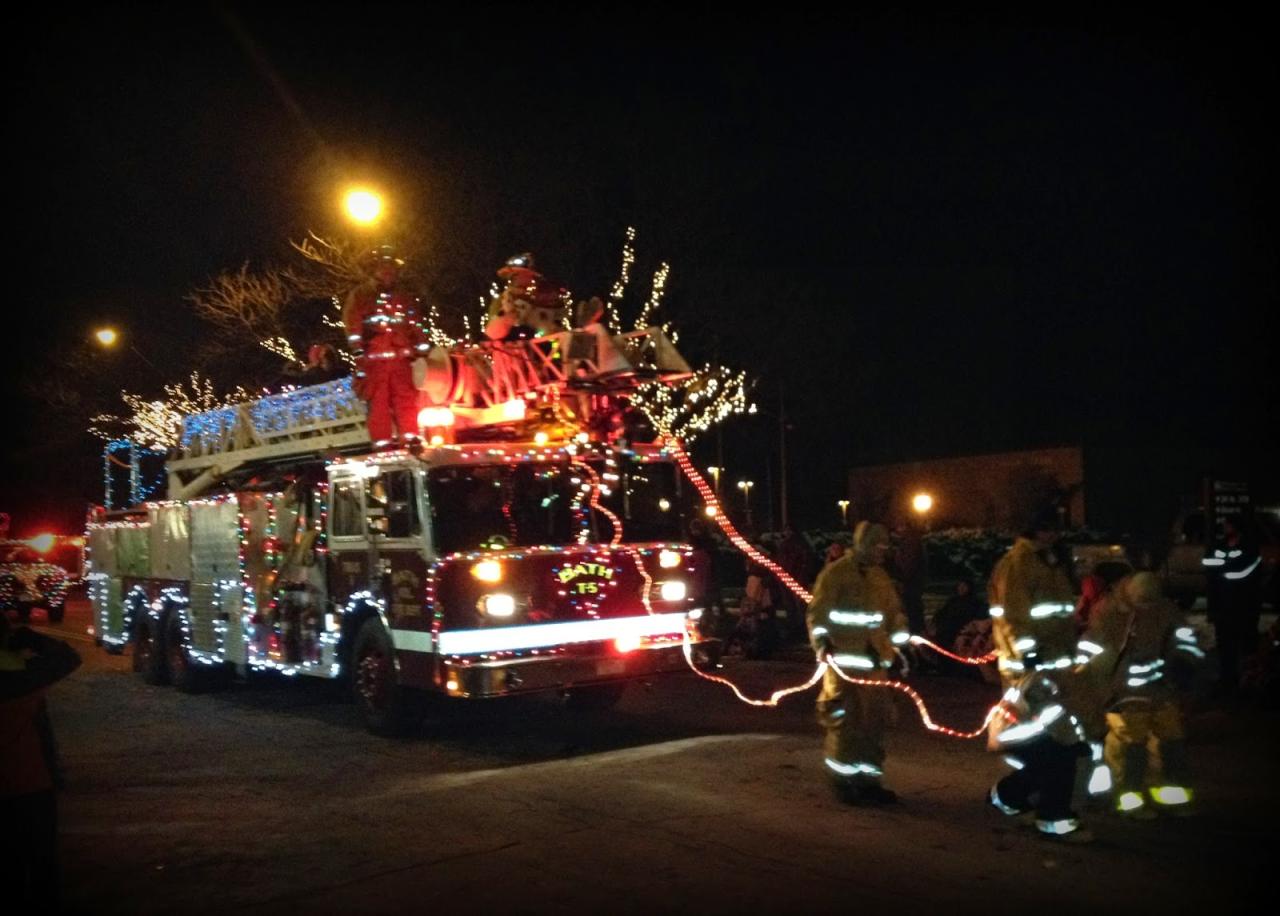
[{"x": 313, "y": 419}]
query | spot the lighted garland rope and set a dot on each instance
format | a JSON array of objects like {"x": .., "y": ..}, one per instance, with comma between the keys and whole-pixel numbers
[
  {"x": 616, "y": 541},
  {"x": 963, "y": 659},
  {"x": 709, "y": 497},
  {"x": 928, "y": 722}
]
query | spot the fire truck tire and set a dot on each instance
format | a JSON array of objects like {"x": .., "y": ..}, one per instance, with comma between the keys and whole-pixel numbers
[
  {"x": 385, "y": 706},
  {"x": 148, "y": 652},
  {"x": 595, "y": 697},
  {"x": 24, "y": 611},
  {"x": 56, "y": 612},
  {"x": 183, "y": 672}
]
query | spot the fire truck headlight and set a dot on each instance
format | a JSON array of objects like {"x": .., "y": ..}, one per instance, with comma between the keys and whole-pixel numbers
[
  {"x": 669, "y": 559},
  {"x": 672, "y": 591},
  {"x": 498, "y": 604},
  {"x": 487, "y": 571}
]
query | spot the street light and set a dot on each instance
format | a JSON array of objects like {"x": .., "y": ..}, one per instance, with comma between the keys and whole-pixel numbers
[
  {"x": 108, "y": 337},
  {"x": 364, "y": 207},
  {"x": 844, "y": 511},
  {"x": 715, "y": 474},
  {"x": 745, "y": 486},
  {"x": 922, "y": 502}
]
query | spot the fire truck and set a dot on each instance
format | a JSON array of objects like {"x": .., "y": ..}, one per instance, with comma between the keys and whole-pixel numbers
[{"x": 532, "y": 545}]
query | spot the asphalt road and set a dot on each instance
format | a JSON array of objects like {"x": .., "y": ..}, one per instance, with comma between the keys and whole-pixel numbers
[{"x": 269, "y": 796}]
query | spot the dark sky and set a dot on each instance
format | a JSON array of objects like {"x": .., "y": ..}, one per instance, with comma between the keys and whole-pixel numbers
[{"x": 937, "y": 236}]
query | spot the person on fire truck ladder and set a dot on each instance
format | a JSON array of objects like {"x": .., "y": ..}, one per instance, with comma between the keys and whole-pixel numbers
[
  {"x": 856, "y": 621},
  {"x": 383, "y": 330}
]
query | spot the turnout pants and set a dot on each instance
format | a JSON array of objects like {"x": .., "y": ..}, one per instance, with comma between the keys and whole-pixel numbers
[
  {"x": 855, "y": 719},
  {"x": 388, "y": 387},
  {"x": 1132, "y": 728},
  {"x": 1045, "y": 781}
]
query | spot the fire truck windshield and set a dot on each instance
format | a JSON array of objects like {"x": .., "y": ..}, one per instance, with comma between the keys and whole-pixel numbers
[{"x": 490, "y": 506}]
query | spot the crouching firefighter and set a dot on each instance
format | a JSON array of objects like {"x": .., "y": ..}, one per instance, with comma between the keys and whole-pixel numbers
[
  {"x": 1038, "y": 729},
  {"x": 855, "y": 621},
  {"x": 1142, "y": 634}
]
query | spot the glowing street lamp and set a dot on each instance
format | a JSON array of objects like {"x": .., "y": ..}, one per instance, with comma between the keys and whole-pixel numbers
[
  {"x": 844, "y": 511},
  {"x": 715, "y": 475},
  {"x": 745, "y": 486},
  {"x": 922, "y": 503},
  {"x": 108, "y": 337},
  {"x": 363, "y": 206}
]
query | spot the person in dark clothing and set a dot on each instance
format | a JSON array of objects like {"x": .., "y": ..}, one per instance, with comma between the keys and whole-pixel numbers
[
  {"x": 1235, "y": 600},
  {"x": 795, "y": 557},
  {"x": 702, "y": 538},
  {"x": 961, "y": 608},
  {"x": 909, "y": 571},
  {"x": 29, "y": 773}
]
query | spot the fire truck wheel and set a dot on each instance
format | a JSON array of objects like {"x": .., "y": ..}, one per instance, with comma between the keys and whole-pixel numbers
[
  {"x": 56, "y": 612},
  {"x": 185, "y": 675},
  {"x": 595, "y": 696},
  {"x": 24, "y": 611},
  {"x": 384, "y": 704},
  {"x": 148, "y": 653}
]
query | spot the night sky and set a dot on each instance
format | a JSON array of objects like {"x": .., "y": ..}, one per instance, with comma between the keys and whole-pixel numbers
[{"x": 931, "y": 237}]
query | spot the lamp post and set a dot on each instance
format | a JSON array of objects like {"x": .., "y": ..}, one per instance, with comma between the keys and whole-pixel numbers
[
  {"x": 844, "y": 511},
  {"x": 715, "y": 476},
  {"x": 745, "y": 486}
]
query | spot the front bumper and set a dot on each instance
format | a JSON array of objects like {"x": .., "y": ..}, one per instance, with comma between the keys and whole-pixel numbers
[{"x": 597, "y": 664}]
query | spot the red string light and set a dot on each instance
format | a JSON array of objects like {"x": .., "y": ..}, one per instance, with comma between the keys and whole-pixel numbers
[
  {"x": 963, "y": 659},
  {"x": 709, "y": 497}
]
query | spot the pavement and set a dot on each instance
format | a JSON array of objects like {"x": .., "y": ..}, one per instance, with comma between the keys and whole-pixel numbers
[{"x": 269, "y": 796}]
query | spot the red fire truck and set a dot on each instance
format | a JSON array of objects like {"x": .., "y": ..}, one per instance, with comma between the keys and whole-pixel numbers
[{"x": 531, "y": 547}]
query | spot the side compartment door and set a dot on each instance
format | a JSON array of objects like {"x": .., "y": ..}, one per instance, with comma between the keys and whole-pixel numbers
[{"x": 217, "y": 592}]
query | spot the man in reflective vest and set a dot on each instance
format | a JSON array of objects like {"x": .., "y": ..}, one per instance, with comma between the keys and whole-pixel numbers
[
  {"x": 1139, "y": 633},
  {"x": 1033, "y": 628},
  {"x": 1235, "y": 600},
  {"x": 855, "y": 624}
]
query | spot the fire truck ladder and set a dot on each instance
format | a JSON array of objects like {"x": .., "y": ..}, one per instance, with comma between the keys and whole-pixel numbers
[
  {"x": 315, "y": 419},
  {"x": 489, "y": 374},
  {"x": 331, "y": 418}
]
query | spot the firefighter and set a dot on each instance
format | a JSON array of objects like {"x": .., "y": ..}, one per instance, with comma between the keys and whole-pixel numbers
[
  {"x": 1140, "y": 633},
  {"x": 1235, "y": 600},
  {"x": 383, "y": 329},
  {"x": 1032, "y": 607},
  {"x": 855, "y": 622}
]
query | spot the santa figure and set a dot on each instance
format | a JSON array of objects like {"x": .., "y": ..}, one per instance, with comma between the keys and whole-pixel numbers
[{"x": 383, "y": 330}]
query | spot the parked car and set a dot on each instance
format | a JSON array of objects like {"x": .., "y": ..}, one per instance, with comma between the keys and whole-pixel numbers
[
  {"x": 28, "y": 581},
  {"x": 1183, "y": 573}
]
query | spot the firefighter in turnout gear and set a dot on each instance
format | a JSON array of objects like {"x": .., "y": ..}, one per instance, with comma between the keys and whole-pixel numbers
[
  {"x": 855, "y": 622},
  {"x": 1140, "y": 633},
  {"x": 383, "y": 330},
  {"x": 1033, "y": 628}
]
